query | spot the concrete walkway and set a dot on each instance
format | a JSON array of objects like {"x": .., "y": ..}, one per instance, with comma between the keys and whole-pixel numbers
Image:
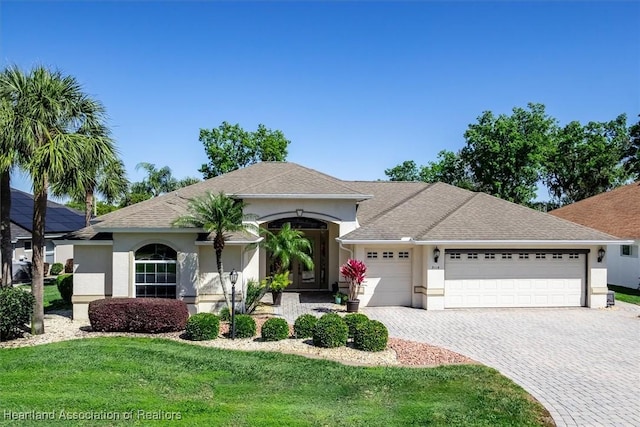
[{"x": 583, "y": 365}]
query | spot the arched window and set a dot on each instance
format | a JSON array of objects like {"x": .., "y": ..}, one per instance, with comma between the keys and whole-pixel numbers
[{"x": 156, "y": 271}]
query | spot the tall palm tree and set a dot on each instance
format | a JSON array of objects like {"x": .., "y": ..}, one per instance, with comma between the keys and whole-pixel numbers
[
  {"x": 219, "y": 215},
  {"x": 101, "y": 175},
  {"x": 7, "y": 162},
  {"x": 285, "y": 246},
  {"x": 50, "y": 109}
]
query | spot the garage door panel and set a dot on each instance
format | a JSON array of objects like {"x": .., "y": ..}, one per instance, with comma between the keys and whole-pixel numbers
[
  {"x": 534, "y": 282},
  {"x": 390, "y": 279}
]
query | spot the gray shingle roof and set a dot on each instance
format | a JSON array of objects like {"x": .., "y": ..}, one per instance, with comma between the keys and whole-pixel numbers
[
  {"x": 420, "y": 211},
  {"x": 18, "y": 232}
]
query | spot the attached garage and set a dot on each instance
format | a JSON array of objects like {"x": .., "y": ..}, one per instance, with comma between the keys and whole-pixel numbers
[
  {"x": 522, "y": 278},
  {"x": 389, "y": 276}
]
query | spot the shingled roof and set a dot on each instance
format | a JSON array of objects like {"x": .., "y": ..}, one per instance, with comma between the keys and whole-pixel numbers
[
  {"x": 387, "y": 211},
  {"x": 616, "y": 212},
  {"x": 59, "y": 218}
]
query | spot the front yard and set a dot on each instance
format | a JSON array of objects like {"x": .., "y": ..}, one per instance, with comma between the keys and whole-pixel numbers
[{"x": 137, "y": 379}]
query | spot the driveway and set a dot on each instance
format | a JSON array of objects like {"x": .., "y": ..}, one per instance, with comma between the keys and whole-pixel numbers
[{"x": 583, "y": 365}]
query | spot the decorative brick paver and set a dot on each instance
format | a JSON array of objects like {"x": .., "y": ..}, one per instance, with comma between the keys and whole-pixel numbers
[{"x": 583, "y": 365}]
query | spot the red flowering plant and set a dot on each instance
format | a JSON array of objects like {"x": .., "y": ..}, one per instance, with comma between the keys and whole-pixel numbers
[{"x": 355, "y": 272}]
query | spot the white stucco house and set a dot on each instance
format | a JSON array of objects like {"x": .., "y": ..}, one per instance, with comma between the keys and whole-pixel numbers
[
  {"x": 616, "y": 212},
  {"x": 430, "y": 246}
]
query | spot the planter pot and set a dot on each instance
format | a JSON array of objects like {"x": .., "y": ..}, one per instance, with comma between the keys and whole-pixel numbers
[
  {"x": 338, "y": 300},
  {"x": 353, "y": 306},
  {"x": 277, "y": 297}
]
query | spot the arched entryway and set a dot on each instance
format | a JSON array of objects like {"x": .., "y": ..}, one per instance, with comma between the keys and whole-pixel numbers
[{"x": 317, "y": 233}]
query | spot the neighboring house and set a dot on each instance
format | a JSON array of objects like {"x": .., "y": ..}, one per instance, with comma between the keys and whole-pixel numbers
[
  {"x": 59, "y": 221},
  {"x": 432, "y": 246},
  {"x": 616, "y": 212}
]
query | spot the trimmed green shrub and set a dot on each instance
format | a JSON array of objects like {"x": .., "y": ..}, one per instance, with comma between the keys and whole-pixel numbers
[
  {"x": 202, "y": 327},
  {"x": 16, "y": 306},
  {"x": 56, "y": 268},
  {"x": 371, "y": 336},
  {"x": 353, "y": 320},
  {"x": 330, "y": 331},
  {"x": 303, "y": 326},
  {"x": 275, "y": 329},
  {"x": 65, "y": 286},
  {"x": 245, "y": 326},
  {"x": 150, "y": 315},
  {"x": 225, "y": 314}
]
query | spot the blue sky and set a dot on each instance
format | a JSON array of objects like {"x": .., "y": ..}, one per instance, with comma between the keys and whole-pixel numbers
[{"x": 357, "y": 87}]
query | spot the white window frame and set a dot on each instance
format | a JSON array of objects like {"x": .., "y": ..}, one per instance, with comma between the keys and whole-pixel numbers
[
  {"x": 622, "y": 250},
  {"x": 403, "y": 254},
  {"x": 155, "y": 273},
  {"x": 372, "y": 254}
]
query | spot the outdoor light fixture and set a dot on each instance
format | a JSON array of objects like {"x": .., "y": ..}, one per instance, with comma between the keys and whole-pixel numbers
[
  {"x": 299, "y": 212},
  {"x": 436, "y": 254},
  {"x": 601, "y": 254},
  {"x": 234, "y": 278}
]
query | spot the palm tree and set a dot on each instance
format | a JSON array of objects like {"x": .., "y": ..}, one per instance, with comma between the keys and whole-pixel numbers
[
  {"x": 102, "y": 175},
  {"x": 219, "y": 215},
  {"x": 7, "y": 162},
  {"x": 158, "y": 181},
  {"x": 50, "y": 110},
  {"x": 285, "y": 246}
]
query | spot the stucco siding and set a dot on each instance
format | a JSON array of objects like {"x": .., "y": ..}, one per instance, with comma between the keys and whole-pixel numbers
[
  {"x": 63, "y": 252},
  {"x": 623, "y": 270},
  {"x": 209, "y": 281}
]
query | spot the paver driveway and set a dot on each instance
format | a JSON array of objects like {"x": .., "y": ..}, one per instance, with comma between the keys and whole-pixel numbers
[{"x": 583, "y": 365}]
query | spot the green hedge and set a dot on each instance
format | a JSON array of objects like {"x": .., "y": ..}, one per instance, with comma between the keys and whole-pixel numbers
[
  {"x": 330, "y": 331},
  {"x": 353, "y": 320},
  {"x": 202, "y": 327},
  {"x": 303, "y": 326},
  {"x": 245, "y": 326},
  {"x": 16, "y": 306},
  {"x": 371, "y": 336},
  {"x": 56, "y": 268},
  {"x": 65, "y": 286},
  {"x": 275, "y": 329}
]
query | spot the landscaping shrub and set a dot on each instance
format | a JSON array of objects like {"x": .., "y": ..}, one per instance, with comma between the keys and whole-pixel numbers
[
  {"x": 303, "y": 326},
  {"x": 330, "y": 331},
  {"x": 245, "y": 326},
  {"x": 151, "y": 315},
  {"x": 255, "y": 292},
  {"x": 56, "y": 268},
  {"x": 371, "y": 336},
  {"x": 353, "y": 320},
  {"x": 225, "y": 314},
  {"x": 68, "y": 266},
  {"x": 203, "y": 326},
  {"x": 16, "y": 306},
  {"x": 65, "y": 286},
  {"x": 275, "y": 329}
]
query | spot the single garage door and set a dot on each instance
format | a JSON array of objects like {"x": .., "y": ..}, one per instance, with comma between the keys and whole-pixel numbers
[
  {"x": 390, "y": 272},
  {"x": 514, "y": 279}
]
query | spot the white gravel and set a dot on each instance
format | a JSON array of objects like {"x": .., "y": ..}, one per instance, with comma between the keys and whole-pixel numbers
[{"x": 59, "y": 327}]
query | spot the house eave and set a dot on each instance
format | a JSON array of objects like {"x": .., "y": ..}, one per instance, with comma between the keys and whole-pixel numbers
[
  {"x": 525, "y": 242},
  {"x": 84, "y": 242},
  {"x": 357, "y": 197}
]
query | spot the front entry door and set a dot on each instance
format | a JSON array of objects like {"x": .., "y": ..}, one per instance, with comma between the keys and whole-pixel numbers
[{"x": 312, "y": 278}]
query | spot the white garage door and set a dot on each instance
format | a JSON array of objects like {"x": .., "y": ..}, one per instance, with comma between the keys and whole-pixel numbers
[
  {"x": 389, "y": 274},
  {"x": 518, "y": 279}
]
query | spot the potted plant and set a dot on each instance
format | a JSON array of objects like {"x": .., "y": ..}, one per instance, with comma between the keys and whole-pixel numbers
[
  {"x": 355, "y": 272},
  {"x": 278, "y": 282}
]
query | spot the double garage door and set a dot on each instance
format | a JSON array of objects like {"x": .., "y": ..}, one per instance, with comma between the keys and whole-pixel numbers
[{"x": 514, "y": 279}]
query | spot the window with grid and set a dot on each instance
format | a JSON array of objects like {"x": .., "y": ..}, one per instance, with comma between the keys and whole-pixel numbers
[
  {"x": 403, "y": 255},
  {"x": 556, "y": 256},
  {"x": 387, "y": 255},
  {"x": 472, "y": 255},
  {"x": 506, "y": 256},
  {"x": 540, "y": 256},
  {"x": 574, "y": 256},
  {"x": 372, "y": 255},
  {"x": 489, "y": 255},
  {"x": 155, "y": 275},
  {"x": 523, "y": 256},
  {"x": 454, "y": 255}
]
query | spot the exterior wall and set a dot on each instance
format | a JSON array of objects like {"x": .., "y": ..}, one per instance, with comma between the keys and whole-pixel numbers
[
  {"x": 623, "y": 270},
  {"x": 19, "y": 251},
  {"x": 342, "y": 211},
  {"x": 63, "y": 253},
  {"x": 92, "y": 278}
]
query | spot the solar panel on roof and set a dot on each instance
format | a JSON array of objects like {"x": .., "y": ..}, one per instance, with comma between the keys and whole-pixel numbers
[{"x": 59, "y": 218}]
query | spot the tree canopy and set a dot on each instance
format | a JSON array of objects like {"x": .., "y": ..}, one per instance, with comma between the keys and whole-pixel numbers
[
  {"x": 510, "y": 156},
  {"x": 230, "y": 147}
]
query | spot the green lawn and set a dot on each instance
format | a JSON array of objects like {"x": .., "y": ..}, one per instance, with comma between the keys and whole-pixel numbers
[
  {"x": 118, "y": 377},
  {"x": 52, "y": 299},
  {"x": 626, "y": 294}
]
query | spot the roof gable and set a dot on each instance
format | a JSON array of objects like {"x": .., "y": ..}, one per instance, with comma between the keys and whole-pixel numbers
[{"x": 616, "y": 212}]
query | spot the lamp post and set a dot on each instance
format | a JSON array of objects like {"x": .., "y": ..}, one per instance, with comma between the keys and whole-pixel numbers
[{"x": 234, "y": 278}]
